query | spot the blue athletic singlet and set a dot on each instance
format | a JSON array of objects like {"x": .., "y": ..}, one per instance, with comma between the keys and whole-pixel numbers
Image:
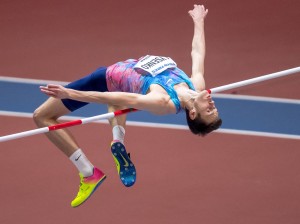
[{"x": 123, "y": 77}]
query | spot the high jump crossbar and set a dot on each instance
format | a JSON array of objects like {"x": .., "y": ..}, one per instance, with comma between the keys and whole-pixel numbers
[{"x": 125, "y": 111}]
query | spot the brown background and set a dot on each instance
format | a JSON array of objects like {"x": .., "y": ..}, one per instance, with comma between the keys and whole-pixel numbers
[{"x": 181, "y": 178}]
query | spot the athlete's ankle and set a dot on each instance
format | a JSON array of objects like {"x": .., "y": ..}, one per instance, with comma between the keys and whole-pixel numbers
[{"x": 118, "y": 133}]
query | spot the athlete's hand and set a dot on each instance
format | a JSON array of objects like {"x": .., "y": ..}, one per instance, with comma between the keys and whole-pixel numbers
[
  {"x": 198, "y": 13},
  {"x": 56, "y": 91}
]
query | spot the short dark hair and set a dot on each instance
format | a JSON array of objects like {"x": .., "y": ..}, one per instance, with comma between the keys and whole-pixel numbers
[{"x": 199, "y": 127}]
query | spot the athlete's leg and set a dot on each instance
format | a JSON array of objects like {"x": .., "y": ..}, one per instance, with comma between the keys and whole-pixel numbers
[
  {"x": 46, "y": 115},
  {"x": 117, "y": 123},
  {"x": 90, "y": 176},
  {"x": 125, "y": 167}
]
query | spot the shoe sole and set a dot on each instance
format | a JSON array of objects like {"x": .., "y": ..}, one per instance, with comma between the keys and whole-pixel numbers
[
  {"x": 97, "y": 185},
  {"x": 125, "y": 166}
]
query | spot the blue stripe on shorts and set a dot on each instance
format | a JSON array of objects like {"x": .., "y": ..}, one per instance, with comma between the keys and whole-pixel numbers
[{"x": 95, "y": 81}]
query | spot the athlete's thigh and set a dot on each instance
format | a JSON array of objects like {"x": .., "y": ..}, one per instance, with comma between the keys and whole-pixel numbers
[{"x": 52, "y": 108}]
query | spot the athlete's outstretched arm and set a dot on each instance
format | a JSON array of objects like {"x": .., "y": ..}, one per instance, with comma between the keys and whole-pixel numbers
[
  {"x": 152, "y": 102},
  {"x": 198, "y": 15}
]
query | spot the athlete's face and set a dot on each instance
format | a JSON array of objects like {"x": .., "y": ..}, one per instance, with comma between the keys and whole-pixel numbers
[{"x": 205, "y": 107}]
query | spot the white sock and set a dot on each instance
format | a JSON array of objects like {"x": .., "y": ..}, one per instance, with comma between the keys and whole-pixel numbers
[
  {"x": 82, "y": 163},
  {"x": 118, "y": 133}
]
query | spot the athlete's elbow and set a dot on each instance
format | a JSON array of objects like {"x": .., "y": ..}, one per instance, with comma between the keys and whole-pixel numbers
[
  {"x": 165, "y": 105},
  {"x": 163, "y": 100}
]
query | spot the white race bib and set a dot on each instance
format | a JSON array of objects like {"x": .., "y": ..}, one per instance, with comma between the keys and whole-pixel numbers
[{"x": 154, "y": 64}]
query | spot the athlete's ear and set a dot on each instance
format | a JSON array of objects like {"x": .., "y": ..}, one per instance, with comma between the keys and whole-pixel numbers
[{"x": 192, "y": 113}]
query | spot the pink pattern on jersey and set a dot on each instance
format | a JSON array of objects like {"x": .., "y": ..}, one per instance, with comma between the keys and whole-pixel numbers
[{"x": 121, "y": 77}]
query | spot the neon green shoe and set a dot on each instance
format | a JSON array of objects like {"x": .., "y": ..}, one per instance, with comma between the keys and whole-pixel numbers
[{"x": 87, "y": 187}]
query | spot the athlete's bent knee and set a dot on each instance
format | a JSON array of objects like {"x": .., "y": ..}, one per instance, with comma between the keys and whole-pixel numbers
[
  {"x": 42, "y": 120},
  {"x": 38, "y": 119}
]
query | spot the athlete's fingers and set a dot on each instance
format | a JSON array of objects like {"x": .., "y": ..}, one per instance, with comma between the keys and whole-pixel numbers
[
  {"x": 53, "y": 86},
  {"x": 47, "y": 91}
]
